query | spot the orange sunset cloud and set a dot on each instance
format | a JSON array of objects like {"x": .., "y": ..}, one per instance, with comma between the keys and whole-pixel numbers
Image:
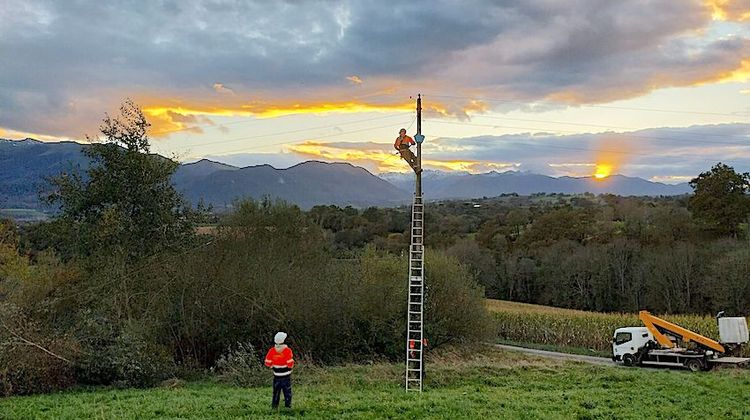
[
  {"x": 166, "y": 119},
  {"x": 735, "y": 10},
  {"x": 384, "y": 159},
  {"x": 169, "y": 116}
]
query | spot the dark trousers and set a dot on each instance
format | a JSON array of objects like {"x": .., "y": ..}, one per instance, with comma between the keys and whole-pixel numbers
[
  {"x": 282, "y": 383},
  {"x": 410, "y": 157}
]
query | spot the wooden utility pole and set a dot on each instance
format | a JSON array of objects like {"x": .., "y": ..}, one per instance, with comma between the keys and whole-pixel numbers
[
  {"x": 415, "y": 340},
  {"x": 419, "y": 139}
]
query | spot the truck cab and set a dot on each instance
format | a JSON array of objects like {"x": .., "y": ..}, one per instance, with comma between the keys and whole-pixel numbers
[{"x": 626, "y": 343}]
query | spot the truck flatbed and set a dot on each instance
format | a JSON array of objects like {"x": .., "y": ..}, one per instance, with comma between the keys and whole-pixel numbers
[{"x": 731, "y": 360}]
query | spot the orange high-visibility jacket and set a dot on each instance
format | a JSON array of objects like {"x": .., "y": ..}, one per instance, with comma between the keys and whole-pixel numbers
[
  {"x": 406, "y": 140},
  {"x": 281, "y": 362}
]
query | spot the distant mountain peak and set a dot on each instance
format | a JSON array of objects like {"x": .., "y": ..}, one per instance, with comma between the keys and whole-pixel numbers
[{"x": 209, "y": 162}]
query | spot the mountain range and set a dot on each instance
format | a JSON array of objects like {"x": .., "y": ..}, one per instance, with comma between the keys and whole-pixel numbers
[
  {"x": 461, "y": 185},
  {"x": 24, "y": 165}
]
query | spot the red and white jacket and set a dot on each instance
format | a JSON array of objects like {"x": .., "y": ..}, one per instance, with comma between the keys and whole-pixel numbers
[{"x": 280, "y": 359}]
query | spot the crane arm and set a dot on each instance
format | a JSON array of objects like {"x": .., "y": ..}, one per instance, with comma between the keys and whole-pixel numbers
[{"x": 656, "y": 325}]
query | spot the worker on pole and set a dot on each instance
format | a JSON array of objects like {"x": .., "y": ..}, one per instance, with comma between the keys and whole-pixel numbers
[
  {"x": 403, "y": 144},
  {"x": 281, "y": 360}
]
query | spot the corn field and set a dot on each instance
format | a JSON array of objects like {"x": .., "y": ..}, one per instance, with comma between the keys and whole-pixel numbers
[{"x": 527, "y": 323}]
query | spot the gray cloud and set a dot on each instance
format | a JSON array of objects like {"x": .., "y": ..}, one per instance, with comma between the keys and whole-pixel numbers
[
  {"x": 658, "y": 153},
  {"x": 64, "y": 63},
  {"x": 648, "y": 153}
]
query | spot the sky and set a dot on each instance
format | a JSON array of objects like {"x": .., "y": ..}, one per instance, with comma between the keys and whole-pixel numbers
[{"x": 658, "y": 89}]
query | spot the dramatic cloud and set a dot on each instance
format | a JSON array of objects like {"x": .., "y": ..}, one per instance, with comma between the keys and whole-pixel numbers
[
  {"x": 65, "y": 63},
  {"x": 381, "y": 157},
  {"x": 663, "y": 154},
  {"x": 173, "y": 116},
  {"x": 738, "y": 10}
]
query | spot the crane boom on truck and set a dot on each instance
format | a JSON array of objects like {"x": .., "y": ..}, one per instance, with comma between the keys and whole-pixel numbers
[
  {"x": 659, "y": 328},
  {"x": 663, "y": 343}
]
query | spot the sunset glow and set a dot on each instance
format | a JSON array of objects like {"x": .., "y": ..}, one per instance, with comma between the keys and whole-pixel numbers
[
  {"x": 166, "y": 119},
  {"x": 603, "y": 170},
  {"x": 278, "y": 83},
  {"x": 728, "y": 10},
  {"x": 380, "y": 158}
]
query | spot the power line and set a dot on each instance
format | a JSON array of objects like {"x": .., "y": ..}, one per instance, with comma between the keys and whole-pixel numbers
[
  {"x": 305, "y": 139},
  {"x": 595, "y": 106},
  {"x": 576, "y": 132},
  {"x": 584, "y": 149},
  {"x": 746, "y": 136},
  {"x": 620, "y": 152},
  {"x": 214, "y": 125},
  {"x": 302, "y": 130}
]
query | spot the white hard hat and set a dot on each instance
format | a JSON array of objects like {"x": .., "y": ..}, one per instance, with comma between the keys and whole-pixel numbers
[{"x": 279, "y": 337}]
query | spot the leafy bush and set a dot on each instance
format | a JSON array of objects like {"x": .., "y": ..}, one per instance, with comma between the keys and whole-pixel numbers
[
  {"x": 268, "y": 270},
  {"x": 242, "y": 365},
  {"x": 455, "y": 303},
  {"x": 30, "y": 360},
  {"x": 111, "y": 355}
]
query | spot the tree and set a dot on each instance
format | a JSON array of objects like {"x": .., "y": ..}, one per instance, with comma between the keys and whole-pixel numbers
[
  {"x": 478, "y": 261},
  {"x": 721, "y": 201},
  {"x": 125, "y": 205}
]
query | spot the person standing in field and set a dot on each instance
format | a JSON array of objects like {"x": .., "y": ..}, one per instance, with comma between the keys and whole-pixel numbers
[{"x": 281, "y": 360}]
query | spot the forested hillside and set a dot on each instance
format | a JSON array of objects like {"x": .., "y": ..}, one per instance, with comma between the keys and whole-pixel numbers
[{"x": 602, "y": 253}]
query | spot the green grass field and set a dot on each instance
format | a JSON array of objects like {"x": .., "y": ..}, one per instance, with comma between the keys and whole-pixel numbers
[{"x": 473, "y": 384}]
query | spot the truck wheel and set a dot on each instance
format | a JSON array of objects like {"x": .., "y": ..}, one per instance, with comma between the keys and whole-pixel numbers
[
  {"x": 694, "y": 365},
  {"x": 628, "y": 359}
]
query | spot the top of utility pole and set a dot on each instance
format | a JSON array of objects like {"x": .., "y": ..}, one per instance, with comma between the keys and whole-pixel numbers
[{"x": 419, "y": 138}]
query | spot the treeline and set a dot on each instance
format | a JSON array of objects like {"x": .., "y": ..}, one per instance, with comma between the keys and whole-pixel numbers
[
  {"x": 602, "y": 253},
  {"x": 119, "y": 289}
]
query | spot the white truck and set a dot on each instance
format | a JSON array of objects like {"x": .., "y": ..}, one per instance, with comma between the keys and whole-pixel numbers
[{"x": 662, "y": 343}]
